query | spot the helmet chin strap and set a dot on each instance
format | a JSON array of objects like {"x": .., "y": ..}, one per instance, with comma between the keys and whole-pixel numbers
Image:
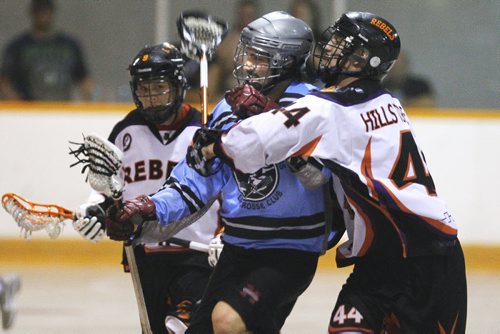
[
  {"x": 275, "y": 81},
  {"x": 264, "y": 89},
  {"x": 174, "y": 113},
  {"x": 159, "y": 115},
  {"x": 333, "y": 76}
]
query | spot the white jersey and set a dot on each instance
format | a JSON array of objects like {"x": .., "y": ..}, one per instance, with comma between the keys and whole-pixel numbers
[
  {"x": 363, "y": 135},
  {"x": 149, "y": 156}
]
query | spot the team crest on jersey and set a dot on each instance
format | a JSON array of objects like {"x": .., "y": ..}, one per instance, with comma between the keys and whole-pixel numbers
[
  {"x": 127, "y": 141},
  {"x": 259, "y": 185}
]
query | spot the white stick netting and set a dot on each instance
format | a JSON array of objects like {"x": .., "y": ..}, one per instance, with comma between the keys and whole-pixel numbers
[
  {"x": 103, "y": 161},
  {"x": 200, "y": 34}
]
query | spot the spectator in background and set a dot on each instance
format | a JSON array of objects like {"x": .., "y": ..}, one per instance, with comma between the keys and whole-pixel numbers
[
  {"x": 43, "y": 64},
  {"x": 220, "y": 72},
  {"x": 307, "y": 11},
  {"x": 411, "y": 90}
]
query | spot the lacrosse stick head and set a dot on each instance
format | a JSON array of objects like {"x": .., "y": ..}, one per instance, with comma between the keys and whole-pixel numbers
[
  {"x": 32, "y": 217},
  {"x": 103, "y": 161},
  {"x": 200, "y": 33}
]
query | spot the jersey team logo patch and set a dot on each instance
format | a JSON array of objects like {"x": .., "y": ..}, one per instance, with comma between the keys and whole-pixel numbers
[
  {"x": 127, "y": 141},
  {"x": 259, "y": 185}
]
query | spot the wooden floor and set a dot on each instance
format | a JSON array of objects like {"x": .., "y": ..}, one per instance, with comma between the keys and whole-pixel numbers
[{"x": 99, "y": 299}]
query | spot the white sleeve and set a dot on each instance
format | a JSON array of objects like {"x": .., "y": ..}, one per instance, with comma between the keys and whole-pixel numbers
[{"x": 271, "y": 137}]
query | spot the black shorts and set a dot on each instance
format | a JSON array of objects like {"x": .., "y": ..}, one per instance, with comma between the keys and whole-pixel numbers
[
  {"x": 172, "y": 283},
  {"x": 417, "y": 295},
  {"x": 261, "y": 285}
]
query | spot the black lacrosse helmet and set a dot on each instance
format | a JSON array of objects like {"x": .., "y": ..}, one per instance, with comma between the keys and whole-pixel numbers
[
  {"x": 354, "y": 31},
  {"x": 160, "y": 63}
]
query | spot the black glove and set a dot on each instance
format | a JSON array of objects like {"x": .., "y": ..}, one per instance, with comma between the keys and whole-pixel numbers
[
  {"x": 195, "y": 158},
  {"x": 90, "y": 220},
  {"x": 307, "y": 171},
  {"x": 120, "y": 222},
  {"x": 247, "y": 101},
  {"x": 296, "y": 164}
]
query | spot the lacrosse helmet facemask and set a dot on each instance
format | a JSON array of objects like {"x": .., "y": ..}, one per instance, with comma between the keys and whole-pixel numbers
[
  {"x": 272, "y": 48},
  {"x": 158, "y": 83},
  {"x": 353, "y": 34}
]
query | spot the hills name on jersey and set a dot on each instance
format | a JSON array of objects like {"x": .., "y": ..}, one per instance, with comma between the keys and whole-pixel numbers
[{"x": 383, "y": 116}]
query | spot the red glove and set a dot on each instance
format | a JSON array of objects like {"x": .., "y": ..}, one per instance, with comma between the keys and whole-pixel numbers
[
  {"x": 117, "y": 230},
  {"x": 120, "y": 224},
  {"x": 141, "y": 206},
  {"x": 246, "y": 101}
]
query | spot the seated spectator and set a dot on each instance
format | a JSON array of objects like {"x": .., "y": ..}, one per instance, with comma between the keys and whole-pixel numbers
[
  {"x": 43, "y": 64},
  {"x": 410, "y": 89}
]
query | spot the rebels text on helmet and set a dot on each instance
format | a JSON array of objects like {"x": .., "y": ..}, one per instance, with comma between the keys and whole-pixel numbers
[{"x": 384, "y": 27}]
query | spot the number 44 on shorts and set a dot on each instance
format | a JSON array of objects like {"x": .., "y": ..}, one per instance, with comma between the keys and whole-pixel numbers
[{"x": 341, "y": 315}]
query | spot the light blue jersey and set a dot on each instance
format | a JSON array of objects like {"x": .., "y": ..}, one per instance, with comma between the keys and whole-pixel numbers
[{"x": 267, "y": 209}]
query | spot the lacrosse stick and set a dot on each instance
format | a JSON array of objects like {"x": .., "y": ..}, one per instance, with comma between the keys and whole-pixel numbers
[
  {"x": 200, "y": 35},
  {"x": 103, "y": 161},
  {"x": 198, "y": 246},
  {"x": 31, "y": 217}
]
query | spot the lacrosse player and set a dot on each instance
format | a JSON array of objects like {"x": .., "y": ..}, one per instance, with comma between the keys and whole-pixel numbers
[
  {"x": 274, "y": 225},
  {"x": 153, "y": 138},
  {"x": 408, "y": 262}
]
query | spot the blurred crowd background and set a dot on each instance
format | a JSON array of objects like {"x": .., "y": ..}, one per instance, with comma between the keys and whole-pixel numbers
[{"x": 451, "y": 47}]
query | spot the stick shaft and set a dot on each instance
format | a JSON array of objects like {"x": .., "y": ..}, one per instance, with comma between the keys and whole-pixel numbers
[
  {"x": 139, "y": 294},
  {"x": 204, "y": 88},
  {"x": 197, "y": 246},
  {"x": 136, "y": 279}
]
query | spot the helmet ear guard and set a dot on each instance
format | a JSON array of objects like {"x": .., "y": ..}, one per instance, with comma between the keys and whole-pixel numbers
[
  {"x": 374, "y": 62},
  {"x": 289, "y": 62}
]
